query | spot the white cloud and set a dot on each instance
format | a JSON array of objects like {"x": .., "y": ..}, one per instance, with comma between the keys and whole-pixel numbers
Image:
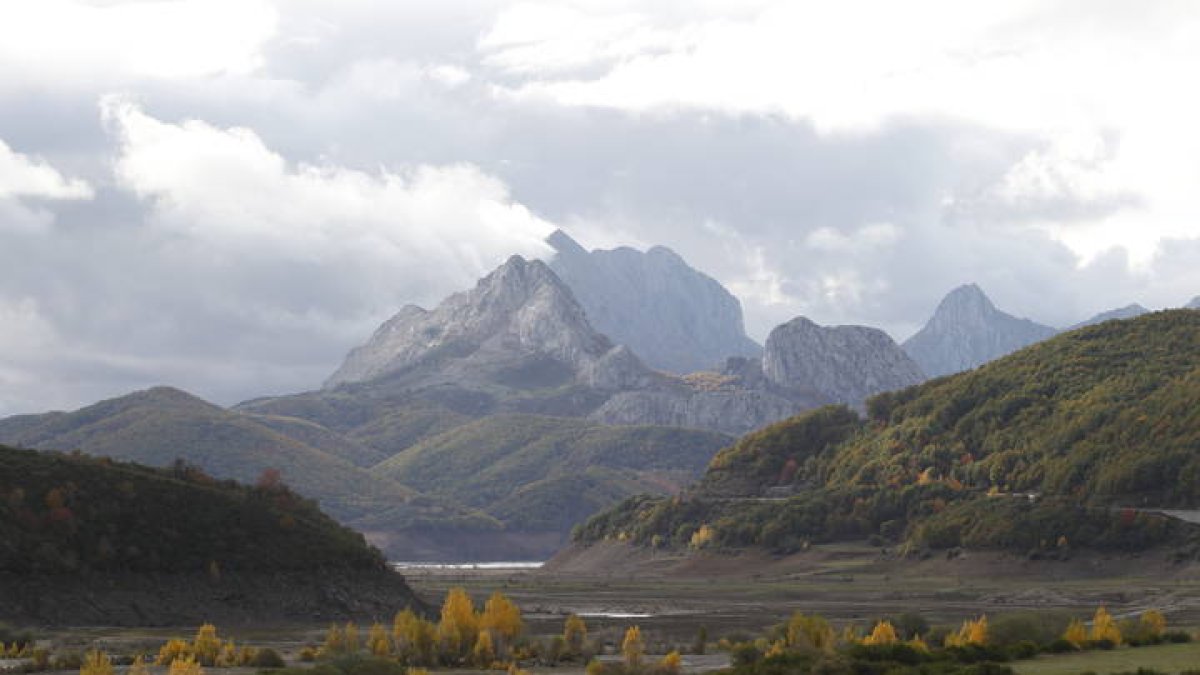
[
  {"x": 1064, "y": 73},
  {"x": 224, "y": 186},
  {"x": 24, "y": 176},
  {"x": 52, "y": 43}
]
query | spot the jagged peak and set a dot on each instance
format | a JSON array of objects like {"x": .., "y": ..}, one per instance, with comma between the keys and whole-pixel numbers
[
  {"x": 968, "y": 296},
  {"x": 564, "y": 244}
]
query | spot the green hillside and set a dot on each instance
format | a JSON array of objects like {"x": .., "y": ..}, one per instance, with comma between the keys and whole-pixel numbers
[
  {"x": 63, "y": 513},
  {"x": 536, "y": 472},
  {"x": 1043, "y": 449},
  {"x": 158, "y": 426}
]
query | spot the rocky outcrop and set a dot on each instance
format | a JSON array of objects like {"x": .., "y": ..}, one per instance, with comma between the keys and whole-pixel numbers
[
  {"x": 732, "y": 411},
  {"x": 514, "y": 319},
  {"x": 672, "y": 316},
  {"x": 1126, "y": 312},
  {"x": 967, "y": 331},
  {"x": 847, "y": 364}
]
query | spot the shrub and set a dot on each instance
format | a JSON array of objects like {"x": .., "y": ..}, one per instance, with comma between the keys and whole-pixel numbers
[
  {"x": 1061, "y": 646},
  {"x": 1176, "y": 637},
  {"x": 267, "y": 658},
  {"x": 744, "y": 654}
]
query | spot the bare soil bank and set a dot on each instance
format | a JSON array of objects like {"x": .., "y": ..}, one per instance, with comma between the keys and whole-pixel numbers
[{"x": 146, "y": 600}]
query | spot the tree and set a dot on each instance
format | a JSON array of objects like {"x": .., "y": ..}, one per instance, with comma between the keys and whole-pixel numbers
[
  {"x": 1076, "y": 633},
  {"x": 883, "y": 634},
  {"x": 206, "y": 646},
  {"x": 351, "y": 633},
  {"x": 415, "y": 638},
  {"x": 459, "y": 625},
  {"x": 1104, "y": 628},
  {"x": 703, "y": 536},
  {"x": 633, "y": 648},
  {"x": 502, "y": 618},
  {"x": 1153, "y": 622},
  {"x": 671, "y": 663},
  {"x": 810, "y": 632},
  {"x": 335, "y": 641},
  {"x": 972, "y": 633},
  {"x": 138, "y": 667},
  {"x": 185, "y": 666},
  {"x": 574, "y": 634},
  {"x": 377, "y": 641},
  {"x": 173, "y": 650},
  {"x": 484, "y": 653},
  {"x": 96, "y": 663}
]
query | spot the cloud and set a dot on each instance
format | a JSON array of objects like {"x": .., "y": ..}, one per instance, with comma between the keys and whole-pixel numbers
[
  {"x": 56, "y": 43},
  {"x": 241, "y": 273},
  {"x": 1102, "y": 79}
]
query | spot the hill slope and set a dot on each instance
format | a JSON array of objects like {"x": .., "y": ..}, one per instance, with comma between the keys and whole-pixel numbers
[
  {"x": 160, "y": 425},
  {"x": 1092, "y": 420},
  {"x": 126, "y": 531},
  {"x": 547, "y": 473}
]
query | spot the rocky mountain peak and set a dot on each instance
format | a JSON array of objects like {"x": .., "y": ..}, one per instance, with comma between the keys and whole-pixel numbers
[
  {"x": 672, "y": 316},
  {"x": 967, "y": 331},
  {"x": 521, "y": 308},
  {"x": 1126, "y": 312},
  {"x": 848, "y": 364}
]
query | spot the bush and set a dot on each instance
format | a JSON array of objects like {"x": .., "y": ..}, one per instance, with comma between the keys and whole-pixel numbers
[
  {"x": 68, "y": 661},
  {"x": 1025, "y": 649},
  {"x": 1105, "y": 644},
  {"x": 267, "y": 658},
  {"x": 1061, "y": 646},
  {"x": 1176, "y": 637},
  {"x": 744, "y": 654}
]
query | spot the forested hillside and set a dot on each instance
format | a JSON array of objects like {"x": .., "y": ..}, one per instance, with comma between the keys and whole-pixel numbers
[{"x": 1070, "y": 442}]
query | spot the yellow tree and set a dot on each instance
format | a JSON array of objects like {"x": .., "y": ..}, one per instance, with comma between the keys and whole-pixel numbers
[
  {"x": 185, "y": 666},
  {"x": 1104, "y": 628},
  {"x": 484, "y": 653},
  {"x": 459, "y": 625},
  {"x": 96, "y": 663},
  {"x": 171, "y": 651},
  {"x": 574, "y": 633},
  {"x": 138, "y": 667},
  {"x": 883, "y": 634},
  {"x": 335, "y": 640},
  {"x": 1076, "y": 633},
  {"x": 671, "y": 663},
  {"x": 377, "y": 641},
  {"x": 977, "y": 631},
  {"x": 812, "y": 632},
  {"x": 206, "y": 646},
  {"x": 352, "y": 643},
  {"x": 918, "y": 644},
  {"x": 1153, "y": 622},
  {"x": 633, "y": 648},
  {"x": 502, "y": 618},
  {"x": 415, "y": 638}
]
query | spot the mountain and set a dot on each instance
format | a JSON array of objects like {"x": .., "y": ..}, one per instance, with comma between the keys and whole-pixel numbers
[
  {"x": 93, "y": 541},
  {"x": 161, "y": 425},
  {"x": 1042, "y": 451},
  {"x": 1126, "y": 312},
  {"x": 519, "y": 327},
  {"x": 1194, "y": 304},
  {"x": 674, "y": 317},
  {"x": 847, "y": 364},
  {"x": 967, "y": 331}
]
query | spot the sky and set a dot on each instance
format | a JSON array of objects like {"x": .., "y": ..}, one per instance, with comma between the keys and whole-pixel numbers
[{"x": 227, "y": 195}]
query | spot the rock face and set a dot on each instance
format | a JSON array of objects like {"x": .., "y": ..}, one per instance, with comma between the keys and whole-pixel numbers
[
  {"x": 672, "y": 316},
  {"x": 1126, "y": 312},
  {"x": 517, "y": 317},
  {"x": 847, "y": 364},
  {"x": 967, "y": 331}
]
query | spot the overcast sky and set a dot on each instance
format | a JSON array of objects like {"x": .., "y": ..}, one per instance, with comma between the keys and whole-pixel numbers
[{"x": 226, "y": 195}]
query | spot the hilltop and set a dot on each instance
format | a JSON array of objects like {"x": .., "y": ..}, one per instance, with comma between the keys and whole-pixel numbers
[
  {"x": 1073, "y": 442},
  {"x": 160, "y": 546}
]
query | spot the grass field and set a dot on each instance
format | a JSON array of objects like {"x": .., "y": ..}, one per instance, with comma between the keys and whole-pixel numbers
[{"x": 1171, "y": 659}]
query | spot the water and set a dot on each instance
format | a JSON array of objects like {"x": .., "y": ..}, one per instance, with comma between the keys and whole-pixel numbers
[{"x": 497, "y": 565}]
